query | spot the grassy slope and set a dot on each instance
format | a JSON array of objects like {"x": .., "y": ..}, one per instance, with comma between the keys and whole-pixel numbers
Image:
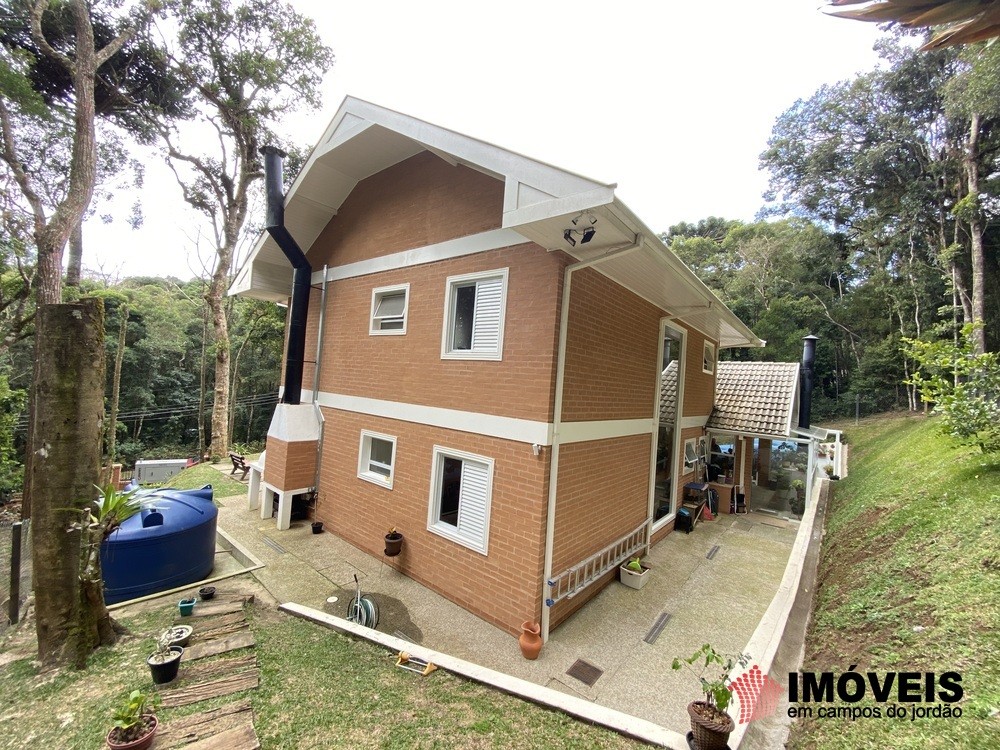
[
  {"x": 909, "y": 580},
  {"x": 318, "y": 689}
]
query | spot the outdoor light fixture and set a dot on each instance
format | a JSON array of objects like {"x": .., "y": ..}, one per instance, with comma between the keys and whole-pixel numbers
[{"x": 586, "y": 222}]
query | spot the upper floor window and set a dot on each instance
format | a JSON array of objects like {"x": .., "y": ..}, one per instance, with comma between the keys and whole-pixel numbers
[
  {"x": 475, "y": 304},
  {"x": 708, "y": 364},
  {"x": 389, "y": 305}
]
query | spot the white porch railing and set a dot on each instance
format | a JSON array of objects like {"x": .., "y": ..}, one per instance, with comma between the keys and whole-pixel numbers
[{"x": 573, "y": 580}]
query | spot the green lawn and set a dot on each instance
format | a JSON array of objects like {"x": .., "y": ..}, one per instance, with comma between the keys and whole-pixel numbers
[
  {"x": 909, "y": 581},
  {"x": 319, "y": 689},
  {"x": 202, "y": 474}
]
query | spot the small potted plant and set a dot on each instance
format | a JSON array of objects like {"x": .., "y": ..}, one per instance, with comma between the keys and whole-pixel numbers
[
  {"x": 178, "y": 635},
  {"x": 166, "y": 660},
  {"x": 186, "y": 606},
  {"x": 393, "y": 543},
  {"x": 829, "y": 470},
  {"x": 633, "y": 573},
  {"x": 710, "y": 724},
  {"x": 135, "y": 723},
  {"x": 206, "y": 593}
]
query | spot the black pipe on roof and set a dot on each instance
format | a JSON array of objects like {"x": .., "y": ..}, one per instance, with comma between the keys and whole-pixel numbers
[{"x": 301, "y": 279}]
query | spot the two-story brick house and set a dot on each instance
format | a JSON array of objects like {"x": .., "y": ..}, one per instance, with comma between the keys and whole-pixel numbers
[{"x": 484, "y": 342}]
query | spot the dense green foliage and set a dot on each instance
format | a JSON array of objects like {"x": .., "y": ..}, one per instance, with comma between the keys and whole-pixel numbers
[
  {"x": 963, "y": 386},
  {"x": 908, "y": 581}
]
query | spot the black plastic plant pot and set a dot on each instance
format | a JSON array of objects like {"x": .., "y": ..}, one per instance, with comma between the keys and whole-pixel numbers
[
  {"x": 393, "y": 544},
  {"x": 166, "y": 671},
  {"x": 206, "y": 593},
  {"x": 317, "y": 527}
]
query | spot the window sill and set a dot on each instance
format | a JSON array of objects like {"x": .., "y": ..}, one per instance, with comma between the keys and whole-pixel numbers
[
  {"x": 476, "y": 356},
  {"x": 450, "y": 532},
  {"x": 378, "y": 479}
]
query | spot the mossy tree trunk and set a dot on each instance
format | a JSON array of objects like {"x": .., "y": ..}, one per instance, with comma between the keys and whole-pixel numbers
[{"x": 71, "y": 619}]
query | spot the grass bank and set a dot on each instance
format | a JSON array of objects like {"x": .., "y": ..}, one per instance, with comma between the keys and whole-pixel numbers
[
  {"x": 909, "y": 581},
  {"x": 319, "y": 689}
]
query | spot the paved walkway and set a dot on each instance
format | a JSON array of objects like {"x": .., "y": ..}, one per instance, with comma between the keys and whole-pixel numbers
[{"x": 718, "y": 600}]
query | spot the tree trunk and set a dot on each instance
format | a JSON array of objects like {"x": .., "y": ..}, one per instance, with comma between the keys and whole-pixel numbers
[
  {"x": 74, "y": 265},
  {"x": 976, "y": 236},
  {"x": 69, "y": 383},
  {"x": 215, "y": 297},
  {"x": 116, "y": 386},
  {"x": 201, "y": 389}
]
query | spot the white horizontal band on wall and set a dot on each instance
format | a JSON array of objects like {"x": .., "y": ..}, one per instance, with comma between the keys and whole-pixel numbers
[
  {"x": 579, "y": 432},
  {"x": 490, "y": 425},
  {"x": 689, "y": 422},
  {"x": 495, "y": 239}
]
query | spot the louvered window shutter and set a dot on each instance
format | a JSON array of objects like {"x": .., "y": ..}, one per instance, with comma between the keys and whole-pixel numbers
[
  {"x": 473, "y": 507},
  {"x": 489, "y": 310}
]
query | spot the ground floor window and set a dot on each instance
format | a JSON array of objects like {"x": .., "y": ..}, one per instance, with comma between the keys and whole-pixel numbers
[{"x": 461, "y": 490}]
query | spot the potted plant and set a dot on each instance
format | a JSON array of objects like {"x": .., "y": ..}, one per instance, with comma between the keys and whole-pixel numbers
[
  {"x": 186, "y": 606},
  {"x": 165, "y": 661},
  {"x": 317, "y": 527},
  {"x": 178, "y": 635},
  {"x": 206, "y": 593},
  {"x": 633, "y": 573},
  {"x": 135, "y": 723},
  {"x": 393, "y": 543},
  {"x": 710, "y": 724},
  {"x": 829, "y": 470}
]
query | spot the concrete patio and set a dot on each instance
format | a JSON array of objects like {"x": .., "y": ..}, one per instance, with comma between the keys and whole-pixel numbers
[{"x": 718, "y": 600}]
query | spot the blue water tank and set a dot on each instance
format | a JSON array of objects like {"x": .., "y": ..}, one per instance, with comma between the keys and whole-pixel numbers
[{"x": 169, "y": 543}]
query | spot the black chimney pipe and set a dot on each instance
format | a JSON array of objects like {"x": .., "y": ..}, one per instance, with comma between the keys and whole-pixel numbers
[
  {"x": 806, "y": 380},
  {"x": 302, "y": 279}
]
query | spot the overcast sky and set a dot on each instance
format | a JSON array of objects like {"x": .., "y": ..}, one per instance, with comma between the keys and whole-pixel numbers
[{"x": 672, "y": 101}]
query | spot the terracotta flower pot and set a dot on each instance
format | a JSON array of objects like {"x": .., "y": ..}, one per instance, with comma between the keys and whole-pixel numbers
[
  {"x": 140, "y": 744},
  {"x": 530, "y": 641}
]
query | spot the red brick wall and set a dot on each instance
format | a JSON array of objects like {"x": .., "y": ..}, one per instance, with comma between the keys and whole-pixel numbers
[
  {"x": 290, "y": 466},
  {"x": 420, "y": 201},
  {"x": 699, "y": 386},
  {"x": 409, "y": 368},
  {"x": 611, "y": 348},
  {"x": 503, "y": 587},
  {"x": 603, "y": 493}
]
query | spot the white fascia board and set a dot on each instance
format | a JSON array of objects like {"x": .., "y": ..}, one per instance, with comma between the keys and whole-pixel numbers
[
  {"x": 686, "y": 423},
  {"x": 600, "y": 196}
]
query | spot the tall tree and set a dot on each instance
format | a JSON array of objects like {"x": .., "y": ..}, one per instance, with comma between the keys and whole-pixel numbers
[{"x": 249, "y": 63}]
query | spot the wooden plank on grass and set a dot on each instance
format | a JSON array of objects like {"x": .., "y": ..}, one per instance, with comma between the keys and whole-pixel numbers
[
  {"x": 209, "y": 670},
  {"x": 207, "y": 610},
  {"x": 195, "y": 727},
  {"x": 243, "y": 639},
  {"x": 210, "y": 634},
  {"x": 214, "y": 621},
  {"x": 185, "y": 695},
  {"x": 241, "y": 738}
]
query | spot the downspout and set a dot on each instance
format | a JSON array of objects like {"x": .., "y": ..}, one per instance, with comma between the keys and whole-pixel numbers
[
  {"x": 301, "y": 280},
  {"x": 315, "y": 388},
  {"x": 550, "y": 520}
]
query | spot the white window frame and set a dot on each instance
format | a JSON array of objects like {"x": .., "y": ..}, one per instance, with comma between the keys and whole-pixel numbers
[
  {"x": 690, "y": 466},
  {"x": 384, "y": 291},
  {"x": 364, "y": 459},
  {"x": 451, "y": 284},
  {"x": 708, "y": 357},
  {"x": 444, "y": 529}
]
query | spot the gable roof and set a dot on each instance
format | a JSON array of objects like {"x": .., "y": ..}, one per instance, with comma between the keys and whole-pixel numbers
[
  {"x": 758, "y": 398},
  {"x": 540, "y": 201},
  {"x": 751, "y": 398}
]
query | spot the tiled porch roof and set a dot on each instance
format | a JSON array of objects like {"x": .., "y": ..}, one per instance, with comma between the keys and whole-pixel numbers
[
  {"x": 755, "y": 397},
  {"x": 758, "y": 398}
]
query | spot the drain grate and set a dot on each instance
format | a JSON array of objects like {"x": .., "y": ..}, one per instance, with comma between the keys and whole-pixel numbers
[
  {"x": 273, "y": 545},
  {"x": 585, "y": 672},
  {"x": 712, "y": 552},
  {"x": 658, "y": 626}
]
